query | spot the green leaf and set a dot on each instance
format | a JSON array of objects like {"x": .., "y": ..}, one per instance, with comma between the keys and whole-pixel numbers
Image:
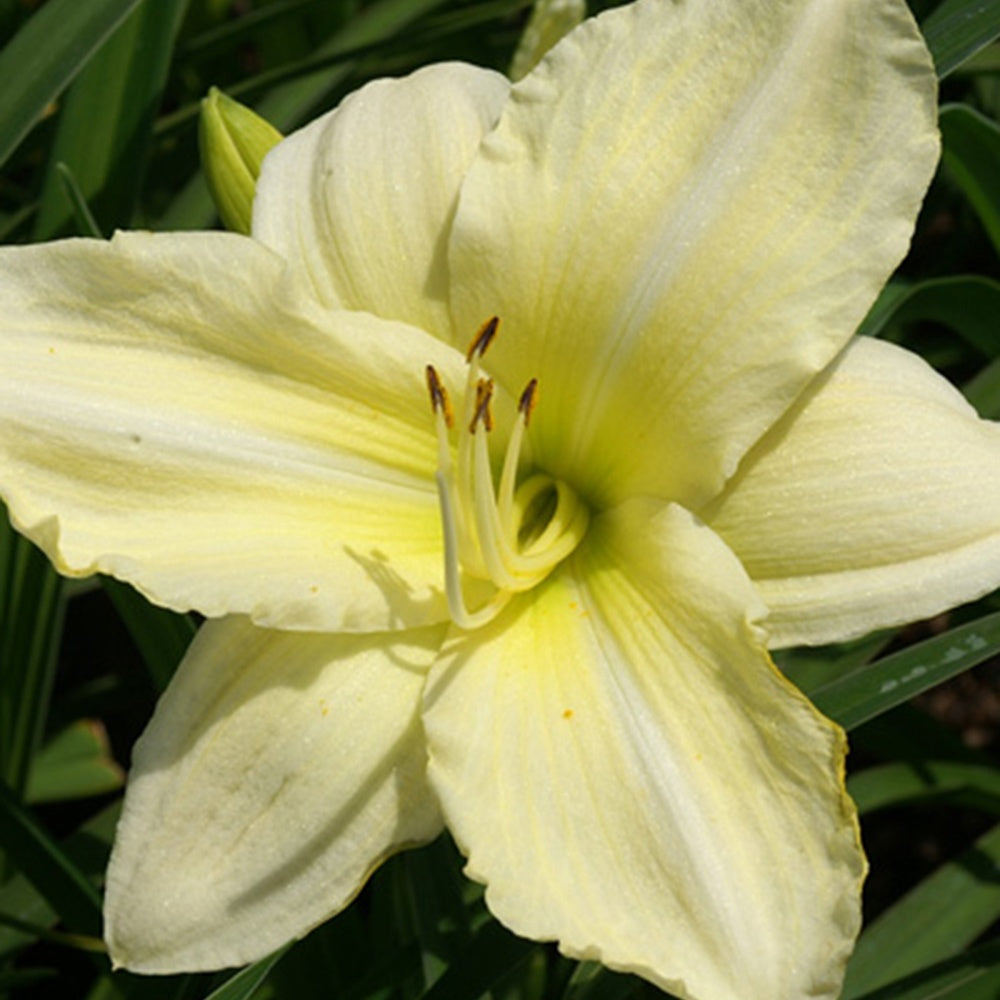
[
  {"x": 870, "y": 690},
  {"x": 21, "y": 979},
  {"x": 932, "y": 923},
  {"x": 592, "y": 981},
  {"x": 971, "y": 154},
  {"x": 31, "y": 614},
  {"x": 74, "y": 764},
  {"x": 45, "y": 55},
  {"x": 811, "y": 667},
  {"x": 974, "y": 975},
  {"x": 86, "y": 224},
  {"x": 47, "y": 866},
  {"x": 915, "y": 781},
  {"x": 246, "y": 982},
  {"x": 21, "y": 901},
  {"x": 957, "y": 29},
  {"x": 288, "y": 105},
  {"x": 432, "y": 891},
  {"x": 162, "y": 636},
  {"x": 967, "y": 304},
  {"x": 493, "y": 953},
  {"x": 983, "y": 391},
  {"x": 105, "y": 124}
]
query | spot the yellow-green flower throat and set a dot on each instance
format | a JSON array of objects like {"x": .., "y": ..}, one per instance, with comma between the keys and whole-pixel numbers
[{"x": 513, "y": 535}]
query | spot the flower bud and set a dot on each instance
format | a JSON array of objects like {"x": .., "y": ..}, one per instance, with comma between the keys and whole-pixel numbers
[{"x": 234, "y": 141}]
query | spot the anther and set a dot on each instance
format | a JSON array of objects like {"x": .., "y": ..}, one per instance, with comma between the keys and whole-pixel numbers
[
  {"x": 482, "y": 411},
  {"x": 526, "y": 404},
  {"x": 483, "y": 338},
  {"x": 439, "y": 396}
]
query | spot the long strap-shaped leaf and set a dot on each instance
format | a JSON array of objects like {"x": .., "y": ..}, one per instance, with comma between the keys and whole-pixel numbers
[
  {"x": 45, "y": 55},
  {"x": 931, "y": 923},
  {"x": 957, "y": 29},
  {"x": 46, "y": 865},
  {"x": 868, "y": 691}
]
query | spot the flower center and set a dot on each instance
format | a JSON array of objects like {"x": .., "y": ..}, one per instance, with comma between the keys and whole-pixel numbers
[{"x": 512, "y": 534}]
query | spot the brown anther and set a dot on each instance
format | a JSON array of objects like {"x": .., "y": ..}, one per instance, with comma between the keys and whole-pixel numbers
[
  {"x": 483, "y": 338},
  {"x": 484, "y": 394},
  {"x": 526, "y": 404},
  {"x": 439, "y": 396}
]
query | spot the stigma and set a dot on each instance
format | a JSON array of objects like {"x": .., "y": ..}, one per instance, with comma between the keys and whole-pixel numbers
[{"x": 510, "y": 533}]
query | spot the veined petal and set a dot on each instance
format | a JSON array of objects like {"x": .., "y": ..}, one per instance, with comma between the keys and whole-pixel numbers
[
  {"x": 629, "y": 774},
  {"x": 362, "y": 199},
  {"x": 278, "y": 771},
  {"x": 171, "y": 416},
  {"x": 676, "y": 256},
  {"x": 875, "y": 501}
]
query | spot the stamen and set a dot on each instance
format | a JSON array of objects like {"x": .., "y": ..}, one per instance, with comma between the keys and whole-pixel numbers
[
  {"x": 513, "y": 536},
  {"x": 508, "y": 475},
  {"x": 482, "y": 411},
  {"x": 483, "y": 338},
  {"x": 497, "y": 555},
  {"x": 467, "y": 549},
  {"x": 439, "y": 396},
  {"x": 478, "y": 347},
  {"x": 526, "y": 404},
  {"x": 460, "y": 615}
]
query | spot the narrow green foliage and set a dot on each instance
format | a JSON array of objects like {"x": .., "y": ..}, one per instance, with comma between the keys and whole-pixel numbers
[
  {"x": 968, "y": 304},
  {"x": 957, "y": 29},
  {"x": 299, "y": 89},
  {"x": 22, "y": 903},
  {"x": 245, "y": 983},
  {"x": 44, "y": 57},
  {"x": 162, "y": 636},
  {"x": 431, "y": 890},
  {"x": 86, "y": 224},
  {"x": 933, "y": 922},
  {"x": 592, "y": 981},
  {"x": 31, "y": 615},
  {"x": 492, "y": 954},
  {"x": 67, "y": 890},
  {"x": 909, "y": 782},
  {"x": 972, "y": 976},
  {"x": 75, "y": 764},
  {"x": 983, "y": 391},
  {"x": 104, "y": 127},
  {"x": 868, "y": 691},
  {"x": 971, "y": 154}
]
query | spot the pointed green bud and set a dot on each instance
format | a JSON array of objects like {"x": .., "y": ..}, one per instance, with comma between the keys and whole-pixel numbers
[
  {"x": 234, "y": 141},
  {"x": 549, "y": 21}
]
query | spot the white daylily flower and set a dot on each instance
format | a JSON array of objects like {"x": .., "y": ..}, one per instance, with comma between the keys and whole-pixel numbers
[{"x": 680, "y": 216}]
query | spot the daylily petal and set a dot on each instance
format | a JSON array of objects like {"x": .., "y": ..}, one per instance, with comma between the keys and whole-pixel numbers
[
  {"x": 278, "y": 771},
  {"x": 362, "y": 198},
  {"x": 676, "y": 255},
  {"x": 172, "y": 417},
  {"x": 630, "y": 775},
  {"x": 875, "y": 501}
]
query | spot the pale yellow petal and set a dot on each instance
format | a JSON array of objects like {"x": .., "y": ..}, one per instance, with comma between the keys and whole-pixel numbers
[
  {"x": 170, "y": 415},
  {"x": 875, "y": 501},
  {"x": 362, "y": 199},
  {"x": 683, "y": 214},
  {"x": 630, "y": 776},
  {"x": 278, "y": 771}
]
